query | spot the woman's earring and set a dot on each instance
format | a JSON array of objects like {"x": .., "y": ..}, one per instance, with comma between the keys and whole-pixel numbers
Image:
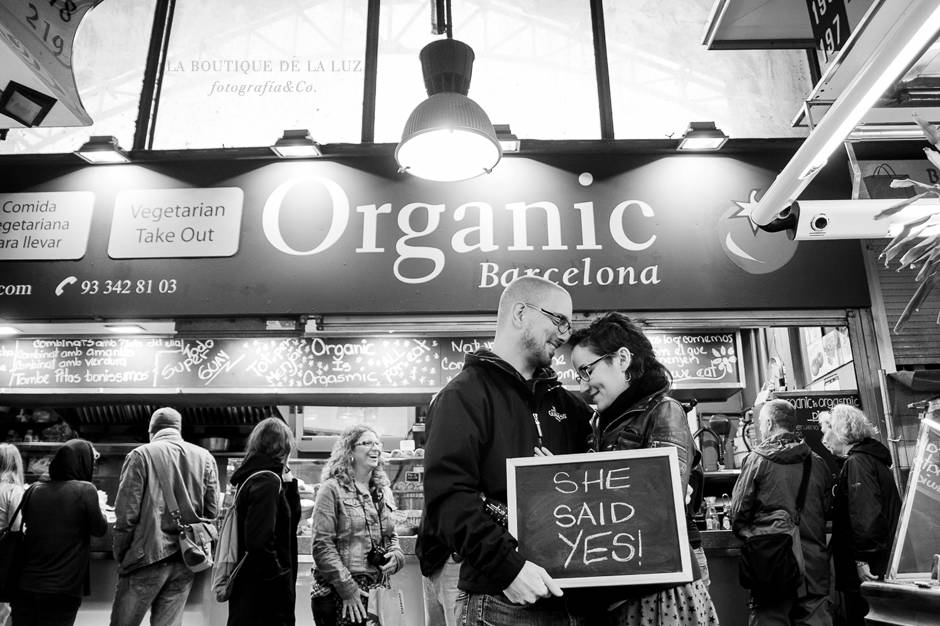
[{"x": 627, "y": 376}]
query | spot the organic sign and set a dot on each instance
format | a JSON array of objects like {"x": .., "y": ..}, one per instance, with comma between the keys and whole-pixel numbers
[{"x": 607, "y": 518}]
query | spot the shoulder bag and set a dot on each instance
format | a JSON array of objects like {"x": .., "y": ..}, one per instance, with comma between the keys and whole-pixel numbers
[{"x": 11, "y": 552}]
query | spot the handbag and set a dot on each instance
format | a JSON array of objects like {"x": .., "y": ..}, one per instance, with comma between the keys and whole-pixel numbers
[
  {"x": 387, "y": 606},
  {"x": 768, "y": 565},
  {"x": 195, "y": 538},
  {"x": 11, "y": 552}
]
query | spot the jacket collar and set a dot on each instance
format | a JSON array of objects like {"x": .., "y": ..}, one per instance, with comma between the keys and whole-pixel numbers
[
  {"x": 488, "y": 358},
  {"x": 167, "y": 434},
  {"x": 627, "y": 402}
]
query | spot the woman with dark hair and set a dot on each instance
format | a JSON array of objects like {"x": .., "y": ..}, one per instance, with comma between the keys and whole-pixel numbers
[
  {"x": 619, "y": 373},
  {"x": 267, "y": 510},
  {"x": 355, "y": 547},
  {"x": 11, "y": 493},
  {"x": 60, "y": 516},
  {"x": 865, "y": 508}
]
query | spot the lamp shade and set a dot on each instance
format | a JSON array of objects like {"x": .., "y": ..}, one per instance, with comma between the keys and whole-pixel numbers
[{"x": 448, "y": 137}]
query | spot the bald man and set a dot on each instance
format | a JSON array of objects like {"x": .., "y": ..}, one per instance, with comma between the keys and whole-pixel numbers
[{"x": 506, "y": 402}]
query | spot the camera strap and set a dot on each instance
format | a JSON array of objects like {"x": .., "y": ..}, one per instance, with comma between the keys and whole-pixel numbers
[{"x": 378, "y": 515}]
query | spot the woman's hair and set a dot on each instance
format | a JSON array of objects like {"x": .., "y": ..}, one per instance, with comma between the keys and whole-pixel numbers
[
  {"x": 340, "y": 463},
  {"x": 11, "y": 464},
  {"x": 850, "y": 424},
  {"x": 614, "y": 331},
  {"x": 271, "y": 437}
]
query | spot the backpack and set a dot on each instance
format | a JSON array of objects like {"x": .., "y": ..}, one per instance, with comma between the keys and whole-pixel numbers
[
  {"x": 228, "y": 562},
  {"x": 768, "y": 564}
]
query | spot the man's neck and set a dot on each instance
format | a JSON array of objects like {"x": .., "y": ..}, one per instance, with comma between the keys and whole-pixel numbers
[{"x": 513, "y": 354}]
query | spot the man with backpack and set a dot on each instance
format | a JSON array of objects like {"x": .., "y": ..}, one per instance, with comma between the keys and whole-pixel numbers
[
  {"x": 778, "y": 508},
  {"x": 151, "y": 572}
]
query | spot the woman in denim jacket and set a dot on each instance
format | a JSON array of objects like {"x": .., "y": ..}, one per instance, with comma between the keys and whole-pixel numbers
[{"x": 355, "y": 547}]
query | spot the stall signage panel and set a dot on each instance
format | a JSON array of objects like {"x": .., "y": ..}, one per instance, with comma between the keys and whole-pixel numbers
[
  {"x": 337, "y": 238},
  {"x": 808, "y": 405},
  {"x": 154, "y": 223},
  {"x": 609, "y": 518},
  {"x": 48, "y": 225}
]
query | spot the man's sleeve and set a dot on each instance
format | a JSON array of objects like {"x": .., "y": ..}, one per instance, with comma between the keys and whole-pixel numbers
[
  {"x": 210, "y": 499},
  {"x": 127, "y": 503},
  {"x": 744, "y": 496},
  {"x": 452, "y": 487}
]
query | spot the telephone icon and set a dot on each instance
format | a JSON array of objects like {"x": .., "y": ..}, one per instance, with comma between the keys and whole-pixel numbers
[{"x": 68, "y": 280}]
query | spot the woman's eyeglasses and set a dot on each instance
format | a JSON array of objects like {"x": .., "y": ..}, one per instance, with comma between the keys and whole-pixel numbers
[
  {"x": 562, "y": 323},
  {"x": 583, "y": 373},
  {"x": 370, "y": 444}
]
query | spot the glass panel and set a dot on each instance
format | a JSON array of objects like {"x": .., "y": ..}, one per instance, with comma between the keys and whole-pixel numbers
[
  {"x": 108, "y": 70},
  {"x": 534, "y": 65},
  {"x": 239, "y": 75},
  {"x": 662, "y": 77},
  {"x": 918, "y": 535}
]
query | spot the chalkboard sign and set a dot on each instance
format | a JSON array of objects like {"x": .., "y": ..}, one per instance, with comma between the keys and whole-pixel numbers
[
  {"x": 607, "y": 518},
  {"x": 918, "y": 536},
  {"x": 808, "y": 405},
  {"x": 294, "y": 364}
]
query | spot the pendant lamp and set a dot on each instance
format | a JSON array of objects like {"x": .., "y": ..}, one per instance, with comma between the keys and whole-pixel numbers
[{"x": 448, "y": 137}]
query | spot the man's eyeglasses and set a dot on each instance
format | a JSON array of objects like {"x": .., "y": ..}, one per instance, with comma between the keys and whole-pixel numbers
[
  {"x": 370, "y": 444},
  {"x": 562, "y": 323},
  {"x": 583, "y": 373}
]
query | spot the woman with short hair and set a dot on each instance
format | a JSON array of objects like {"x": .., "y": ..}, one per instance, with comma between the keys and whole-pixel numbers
[
  {"x": 355, "y": 546},
  {"x": 866, "y": 506},
  {"x": 267, "y": 513}
]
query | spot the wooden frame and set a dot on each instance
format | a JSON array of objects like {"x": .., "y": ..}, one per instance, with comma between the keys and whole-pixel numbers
[{"x": 673, "y": 507}]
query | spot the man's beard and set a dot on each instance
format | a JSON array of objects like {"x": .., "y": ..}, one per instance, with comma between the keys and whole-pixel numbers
[{"x": 538, "y": 349}]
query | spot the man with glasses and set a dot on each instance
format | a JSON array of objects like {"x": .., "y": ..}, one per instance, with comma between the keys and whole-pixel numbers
[{"x": 506, "y": 402}]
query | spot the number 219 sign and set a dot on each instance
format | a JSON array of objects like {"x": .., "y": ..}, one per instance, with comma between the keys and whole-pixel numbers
[{"x": 830, "y": 23}]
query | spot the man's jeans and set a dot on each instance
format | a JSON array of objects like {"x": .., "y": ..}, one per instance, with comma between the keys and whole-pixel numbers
[
  {"x": 162, "y": 588},
  {"x": 440, "y": 595},
  {"x": 477, "y": 609}
]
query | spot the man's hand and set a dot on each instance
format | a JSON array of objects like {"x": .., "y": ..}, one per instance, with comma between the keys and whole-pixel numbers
[
  {"x": 530, "y": 584},
  {"x": 864, "y": 572}
]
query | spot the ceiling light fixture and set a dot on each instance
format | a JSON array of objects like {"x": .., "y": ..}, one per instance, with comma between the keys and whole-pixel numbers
[
  {"x": 8, "y": 331},
  {"x": 914, "y": 29},
  {"x": 448, "y": 137},
  {"x": 702, "y": 137},
  {"x": 102, "y": 149},
  {"x": 126, "y": 329},
  {"x": 24, "y": 104},
  {"x": 296, "y": 144},
  {"x": 507, "y": 141}
]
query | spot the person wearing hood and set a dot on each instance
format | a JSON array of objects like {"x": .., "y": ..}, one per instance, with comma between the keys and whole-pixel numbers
[
  {"x": 866, "y": 506},
  {"x": 267, "y": 512},
  {"x": 618, "y": 372},
  {"x": 764, "y": 501},
  {"x": 60, "y": 516},
  {"x": 505, "y": 402}
]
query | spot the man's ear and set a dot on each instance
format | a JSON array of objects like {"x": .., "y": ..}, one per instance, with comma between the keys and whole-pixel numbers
[{"x": 516, "y": 314}]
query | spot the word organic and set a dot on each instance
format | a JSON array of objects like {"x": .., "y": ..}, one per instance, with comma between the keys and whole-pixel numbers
[{"x": 594, "y": 529}]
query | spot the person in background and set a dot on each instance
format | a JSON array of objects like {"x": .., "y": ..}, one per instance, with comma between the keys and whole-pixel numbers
[
  {"x": 268, "y": 512},
  {"x": 151, "y": 573},
  {"x": 506, "y": 402},
  {"x": 764, "y": 500},
  {"x": 619, "y": 372},
  {"x": 866, "y": 506},
  {"x": 11, "y": 493},
  {"x": 61, "y": 516},
  {"x": 355, "y": 547}
]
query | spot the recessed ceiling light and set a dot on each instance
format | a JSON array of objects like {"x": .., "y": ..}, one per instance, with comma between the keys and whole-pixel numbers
[
  {"x": 126, "y": 329},
  {"x": 6, "y": 331}
]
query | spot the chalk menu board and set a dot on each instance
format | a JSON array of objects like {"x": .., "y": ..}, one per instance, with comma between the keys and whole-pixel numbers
[
  {"x": 918, "y": 531},
  {"x": 609, "y": 518},
  {"x": 808, "y": 405},
  {"x": 307, "y": 364}
]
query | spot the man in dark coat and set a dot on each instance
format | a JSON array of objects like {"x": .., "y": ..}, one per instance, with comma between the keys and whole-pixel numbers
[
  {"x": 764, "y": 501},
  {"x": 506, "y": 402}
]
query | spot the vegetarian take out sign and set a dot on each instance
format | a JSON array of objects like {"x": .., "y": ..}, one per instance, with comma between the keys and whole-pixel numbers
[{"x": 609, "y": 518}]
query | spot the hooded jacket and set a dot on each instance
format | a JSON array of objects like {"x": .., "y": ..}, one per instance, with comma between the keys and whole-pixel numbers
[
  {"x": 866, "y": 508},
  {"x": 60, "y": 517},
  {"x": 764, "y": 501},
  {"x": 268, "y": 513},
  {"x": 484, "y": 416}
]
